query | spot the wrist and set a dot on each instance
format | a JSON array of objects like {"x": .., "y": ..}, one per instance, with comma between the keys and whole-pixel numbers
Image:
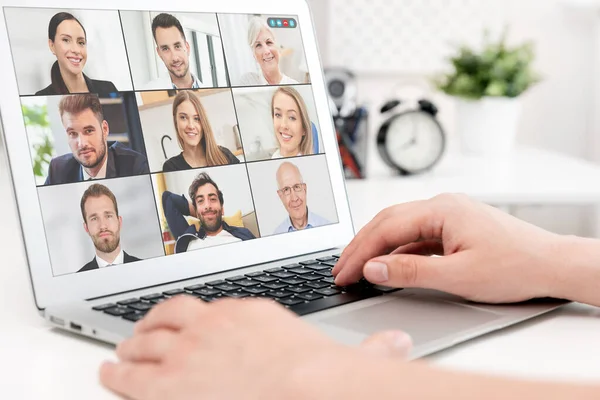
[{"x": 576, "y": 271}]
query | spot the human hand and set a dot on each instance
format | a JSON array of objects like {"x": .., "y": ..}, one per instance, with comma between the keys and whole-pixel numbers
[
  {"x": 250, "y": 349},
  {"x": 487, "y": 255}
]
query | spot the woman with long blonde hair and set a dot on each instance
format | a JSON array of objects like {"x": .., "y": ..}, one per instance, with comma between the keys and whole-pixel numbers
[
  {"x": 195, "y": 136},
  {"x": 291, "y": 123}
]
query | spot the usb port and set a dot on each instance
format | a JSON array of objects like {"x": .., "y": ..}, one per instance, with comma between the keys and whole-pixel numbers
[{"x": 75, "y": 327}]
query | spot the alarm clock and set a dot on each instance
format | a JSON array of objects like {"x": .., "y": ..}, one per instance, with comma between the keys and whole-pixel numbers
[{"x": 411, "y": 141}]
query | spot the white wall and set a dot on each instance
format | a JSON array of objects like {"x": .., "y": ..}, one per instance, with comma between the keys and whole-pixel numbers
[{"x": 557, "y": 112}]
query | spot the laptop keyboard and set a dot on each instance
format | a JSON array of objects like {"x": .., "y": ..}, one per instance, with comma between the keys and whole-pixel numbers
[{"x": 304, "y": 288}]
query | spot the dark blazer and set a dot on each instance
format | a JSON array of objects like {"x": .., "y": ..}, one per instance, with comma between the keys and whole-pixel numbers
[
  {"x": 178, "y": 163},
  {"x": 58, "y": 85},
  {"x": 94, "y": 265},
  {"x": 176, "y": 207},
  {"x": 122, "y": 161}
]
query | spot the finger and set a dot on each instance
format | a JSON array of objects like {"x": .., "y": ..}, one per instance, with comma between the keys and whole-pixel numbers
[
  {"x": 388, "y": 344},
  {"x": 176, "y": 313},
  {"x": 150, "y": 346},
  {"x": 408, "y": 270},
  {"x": 130, "y": 380},
  {"x": 423, "y": 248},
  {"x": 403, "y": 229}
]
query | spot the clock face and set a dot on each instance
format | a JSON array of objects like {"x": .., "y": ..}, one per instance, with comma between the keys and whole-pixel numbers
[{"x": 414, "y": 141}]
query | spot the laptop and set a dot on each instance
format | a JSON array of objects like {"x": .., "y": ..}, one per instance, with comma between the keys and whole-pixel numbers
[{"x": 188, "y": 148}]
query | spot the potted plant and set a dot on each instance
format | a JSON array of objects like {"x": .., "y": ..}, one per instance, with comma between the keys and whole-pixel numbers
[{"x": 488, "y": 85}]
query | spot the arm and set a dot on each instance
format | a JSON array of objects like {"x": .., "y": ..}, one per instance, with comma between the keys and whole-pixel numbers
[{"x": 175, "y": 208}]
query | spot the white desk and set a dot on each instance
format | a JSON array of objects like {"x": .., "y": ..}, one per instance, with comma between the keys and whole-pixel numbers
[{"x": 39, "y": 362}]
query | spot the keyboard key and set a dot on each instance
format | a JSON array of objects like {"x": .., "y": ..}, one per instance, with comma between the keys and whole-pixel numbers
[
  {"x": 134, "y": 316},
  {"x": 103, "y": 307},
  {"x": 300, "y": 271},
  {"x": 325, "y": 259},
  {"x": 283, "y": 275},
  {"x": 118, "y": 311},
  {"x": 227, "y": 287},
  {"x": 317, "y": 285},
  {"x": 290, "y": 301},
  {"x": 206, "y": 292},
  {"x": 141, "y": 306},
  {"x": 318, "y": 267},
  {"x": 174, "y": 292},
  {"x": 255, "y": 290},
  {"x": 247, "y": 283},
  {"x": 337, "y": 255},
  {"x": 309, "y": 262},
  {"x": 210, "y": 299},
  {"x": 293, "y": 281},
  {"x": 310, "y": 277},
  {"x": 151, "y": 296},
  {"x": 385, "y": 289},
  {"x": 235, "y": 278},
  {"x": 329, "y": 280},
  {"x": 192, "y": 288},
  {"x": 215, "y": 283},
  {"x": 327, "y": 291},
  {"x": 255, "y": 274},
  {"x": 332, "y": 301},
  {"x": 309, "y": 296},
  {"x": 274, "y": 285},
  {"x": 330, "y": 263},
  {"x": 325, "y": 272},
  {"x": 265, "y": 279},
  {"x": 279, "y": 293},
  {"x": 298, "y": 289},
  {"x": 158, "y": 301},
  {"x": 237, "y": 295},
  {"x": 290, "y": 266},
  {"x": 128, "y": 301},
  {"x": 270, "y": 270}
]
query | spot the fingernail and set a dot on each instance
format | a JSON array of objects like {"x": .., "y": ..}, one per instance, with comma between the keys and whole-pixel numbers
[
  {"x": 402, "y": 341},
  {"x": 376, "y": 272}
]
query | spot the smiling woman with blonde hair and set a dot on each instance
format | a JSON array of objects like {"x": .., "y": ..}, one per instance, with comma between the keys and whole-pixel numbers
[{"x": 195, "y": 136}]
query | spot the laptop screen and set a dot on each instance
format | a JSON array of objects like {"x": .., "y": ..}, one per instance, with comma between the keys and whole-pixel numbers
[{"x": 157, "y": 133}]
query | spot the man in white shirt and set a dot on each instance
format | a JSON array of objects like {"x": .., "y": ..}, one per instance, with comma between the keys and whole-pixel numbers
[
  {"x": 174, "y": 51},
  {"x": 292, "y": 193},
  {"x": 102, "y": 222}
]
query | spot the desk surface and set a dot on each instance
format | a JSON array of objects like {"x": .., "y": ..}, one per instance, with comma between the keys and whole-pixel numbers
[{"x": 41, "y": 362}]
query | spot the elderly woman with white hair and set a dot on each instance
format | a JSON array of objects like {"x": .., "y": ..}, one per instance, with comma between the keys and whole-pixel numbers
[{"x": 263, "y": 44}]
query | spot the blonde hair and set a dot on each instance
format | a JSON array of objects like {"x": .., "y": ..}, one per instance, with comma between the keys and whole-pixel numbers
[
  {"x": 214, "y": 155},
  {"x": 306, "y": 144},
  {"x": 255, "y": 25}
]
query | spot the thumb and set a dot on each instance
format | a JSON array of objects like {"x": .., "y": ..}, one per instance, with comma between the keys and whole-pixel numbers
[
  {"x": 388, "y": 344},
  {"x": 407, "y": 270}
]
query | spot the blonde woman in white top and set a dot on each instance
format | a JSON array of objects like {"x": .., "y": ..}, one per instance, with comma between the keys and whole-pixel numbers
[
  {"x": 291, "y": 124},
  {"x": 263, "y": 44}
]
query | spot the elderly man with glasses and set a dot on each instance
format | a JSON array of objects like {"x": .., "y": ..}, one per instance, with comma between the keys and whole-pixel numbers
[{"x": 292, "y": 192}]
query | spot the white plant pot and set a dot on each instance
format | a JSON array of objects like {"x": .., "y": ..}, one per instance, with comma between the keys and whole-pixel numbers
[{"x": 488, "y": 127}]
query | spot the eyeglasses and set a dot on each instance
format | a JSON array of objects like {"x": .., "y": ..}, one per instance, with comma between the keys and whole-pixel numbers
[{"x": 286, "y": 191}]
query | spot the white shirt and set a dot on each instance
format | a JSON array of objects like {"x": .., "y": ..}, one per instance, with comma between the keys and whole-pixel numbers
[
  {"x": 252, "y": 79},
  {"x": 223, "y": 237},
  {"x": 118, "y": 260},
  {"x": 277, "y": 154},
  {"x": 100, "y": 175},
  {"x": 165, "y": 83}
]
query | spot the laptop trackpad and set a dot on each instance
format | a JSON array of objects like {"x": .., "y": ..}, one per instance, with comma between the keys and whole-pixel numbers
[{"x": 423, "y": 318}]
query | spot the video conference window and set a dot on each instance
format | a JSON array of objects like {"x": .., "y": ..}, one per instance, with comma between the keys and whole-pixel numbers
[
  {"x": 79, "y": 137},
  {"x": 263, "y": 50},
  {"x": 190, "y": 129},
  {"x": 205, "y": 208},
  {"x": 292, "y": 194},
  {"x": 58, "y": 51},
  {"x": 92, "y": 225},
  {"x": 278, "y": 122},
  {"x": 174, "y": 50}
]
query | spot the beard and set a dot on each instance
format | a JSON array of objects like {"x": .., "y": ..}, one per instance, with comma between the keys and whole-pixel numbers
[
  {"x": 181, "y": 75},
  {"x": 107, "y": 244},
  {"x": 212, "y": 227},
  {"x": 97, "y": 161}
]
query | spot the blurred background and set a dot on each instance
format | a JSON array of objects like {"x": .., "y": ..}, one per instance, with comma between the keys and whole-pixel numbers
[{"x": 397, "y": 49}]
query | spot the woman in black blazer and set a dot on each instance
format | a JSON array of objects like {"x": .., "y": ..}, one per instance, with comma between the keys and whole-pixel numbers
[{"x": 68, "y": 42}]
